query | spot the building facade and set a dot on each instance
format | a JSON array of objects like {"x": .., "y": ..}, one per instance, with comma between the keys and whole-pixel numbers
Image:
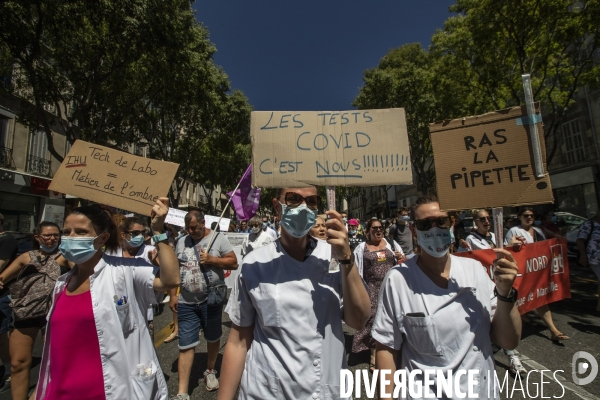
[{"x": 575, "y": 167}]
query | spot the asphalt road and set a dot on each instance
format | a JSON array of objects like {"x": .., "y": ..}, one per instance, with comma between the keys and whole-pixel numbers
[{"x": 576, "y": 317}]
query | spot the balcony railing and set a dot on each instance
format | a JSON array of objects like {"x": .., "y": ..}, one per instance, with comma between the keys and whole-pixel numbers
[
  {"x": 38, "y": 166},
  {"x": 6, "y": 160}
]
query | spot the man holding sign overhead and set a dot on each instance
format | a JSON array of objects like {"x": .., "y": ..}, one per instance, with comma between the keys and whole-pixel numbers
[{"x": 287, "y": 309}]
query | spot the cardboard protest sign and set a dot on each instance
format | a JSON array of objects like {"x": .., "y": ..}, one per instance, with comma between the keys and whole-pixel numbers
[
  {"x": 236, "y": 239},
  {"x": 486, "y": 161},
  {"x": 223, "y": 225},
  {"x": 175, "y": 217},
  {"x": 113, "y": 177},
  {"x": 545, "y": 272},
  {"x": 345, "y": 148}
]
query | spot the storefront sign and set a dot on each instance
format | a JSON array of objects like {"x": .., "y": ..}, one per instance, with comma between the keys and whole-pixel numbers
[
  {"x": 113, "y": 177},
  {"x": 486, "y": 161},
  {"x": 544, "y": 267},
  {"x": 345, "y": 148}
]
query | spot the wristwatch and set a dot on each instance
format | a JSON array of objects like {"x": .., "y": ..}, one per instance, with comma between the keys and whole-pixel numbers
[
  {"x": 511, "y": 298},
  {"x": 348, "y": 261},
  {"x": 159, "y": 238}
]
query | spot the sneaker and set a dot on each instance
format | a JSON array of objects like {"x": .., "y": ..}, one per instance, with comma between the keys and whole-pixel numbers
[
  {"x": 181, "y": 396},
  {"x": 166, "y": 299},
  {"x": 515, "y": 365},
  {"x": 212, "y": 383},
  {"x": 4, "y": 386}
]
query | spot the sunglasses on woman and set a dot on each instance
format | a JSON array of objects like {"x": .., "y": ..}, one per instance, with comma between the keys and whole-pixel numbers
[
  {"x": 51, "y": 235},
  {"x": 483, "y": 219},
  {"x": 377, "y": 228},
  {"x": 293, "y": 200},
  {"x": 427, "y": 223}
]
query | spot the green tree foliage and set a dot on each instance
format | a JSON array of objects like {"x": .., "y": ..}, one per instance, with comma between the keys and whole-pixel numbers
[
  {"x": 126, "y": 72},
  {"x": 408, "y": 77},
  {"x": 490, "y": 44}
]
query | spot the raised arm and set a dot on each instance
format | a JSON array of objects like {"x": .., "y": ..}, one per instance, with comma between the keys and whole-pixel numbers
[
  {"x": 169, "y": 265},
  {"x": 506, "y": 325},
  {"x": 357, "y": 306}
]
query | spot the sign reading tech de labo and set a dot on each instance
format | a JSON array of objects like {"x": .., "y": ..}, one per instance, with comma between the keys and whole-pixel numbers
[
  {"x": 333, "y": 148},
  {"x": 113, "y": 177}
]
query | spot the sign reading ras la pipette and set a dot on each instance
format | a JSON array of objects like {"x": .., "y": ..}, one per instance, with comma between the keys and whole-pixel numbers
[{"x": 334, "y": 148}]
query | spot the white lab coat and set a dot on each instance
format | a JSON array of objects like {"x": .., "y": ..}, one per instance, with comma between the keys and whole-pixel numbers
[{"x": 120, "y": 351}]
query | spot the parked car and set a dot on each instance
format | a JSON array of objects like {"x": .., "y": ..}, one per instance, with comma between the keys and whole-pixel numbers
[
  {"x": 571, "y": 220},
  {"x": 571, "y": 237}
]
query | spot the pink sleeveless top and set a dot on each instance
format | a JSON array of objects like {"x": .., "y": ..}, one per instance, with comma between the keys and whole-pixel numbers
[{"x": 75, "y": 366}]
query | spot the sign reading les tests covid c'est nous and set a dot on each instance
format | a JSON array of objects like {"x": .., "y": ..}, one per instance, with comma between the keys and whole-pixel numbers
[
  {"x": 332, "y": 148},
  {"x": 113, "y": 177},
  {"x": 486, "y": 161}
]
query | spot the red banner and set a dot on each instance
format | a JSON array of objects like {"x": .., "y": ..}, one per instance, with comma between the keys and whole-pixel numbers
[{"x": 544, "y": 270}]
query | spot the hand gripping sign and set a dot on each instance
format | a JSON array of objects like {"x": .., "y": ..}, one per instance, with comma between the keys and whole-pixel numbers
[{"x": 544, "y": 269}]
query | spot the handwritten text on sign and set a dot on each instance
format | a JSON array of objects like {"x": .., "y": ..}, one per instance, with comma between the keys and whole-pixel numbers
[
  {"x": 485, "y": 161},
  {"x": 113, "y": 177},
  {"x": 346, "y": 148}
]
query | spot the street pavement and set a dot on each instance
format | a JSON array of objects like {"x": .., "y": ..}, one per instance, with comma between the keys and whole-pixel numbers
[{"x": 575, "y": 317}]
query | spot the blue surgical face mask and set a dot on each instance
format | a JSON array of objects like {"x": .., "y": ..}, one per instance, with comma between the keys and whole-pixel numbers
[
  {"x": 436, "y": 241},
  {"x": 264, "y": 225},
  {"x": 405, "y": 218},
  {"x": 47, "y": 249},
  {"x": 77, "y": 249},
  {"x": 136, "y": 241},
  {"x": 554, "y": 218},
  {"x": 352, "y": 232},
  {"x": 537, "y": 222},
  {"x": 297, "y": 221}
]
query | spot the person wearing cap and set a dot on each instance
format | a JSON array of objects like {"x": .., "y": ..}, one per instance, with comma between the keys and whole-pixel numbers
[{"x": 354, "y": 237}]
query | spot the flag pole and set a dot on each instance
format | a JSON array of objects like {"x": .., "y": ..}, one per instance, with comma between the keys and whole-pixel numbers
[{"x": 212, "y": 235}]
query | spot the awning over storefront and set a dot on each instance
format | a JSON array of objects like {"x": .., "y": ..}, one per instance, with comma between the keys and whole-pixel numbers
[{"x": 572, "y": 178}]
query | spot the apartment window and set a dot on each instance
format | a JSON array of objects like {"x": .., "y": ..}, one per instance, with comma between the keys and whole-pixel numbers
[
  {"x": 573, "y": 141},
  {"x": 6, "y": 160},
  {"x": 67, "y": 147},
  {"x": 38, "y": 162}
]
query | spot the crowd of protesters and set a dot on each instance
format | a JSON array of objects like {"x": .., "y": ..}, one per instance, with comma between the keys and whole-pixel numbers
[{"x": 91, "y": 288}]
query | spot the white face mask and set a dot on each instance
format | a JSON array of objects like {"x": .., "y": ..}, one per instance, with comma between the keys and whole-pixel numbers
[
  {"x": 436, "y": 241},
  {"x": 255, "y": 229}
]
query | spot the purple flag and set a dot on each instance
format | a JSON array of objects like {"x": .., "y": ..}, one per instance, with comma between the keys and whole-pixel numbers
[{"x": 245, "y": 199}]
